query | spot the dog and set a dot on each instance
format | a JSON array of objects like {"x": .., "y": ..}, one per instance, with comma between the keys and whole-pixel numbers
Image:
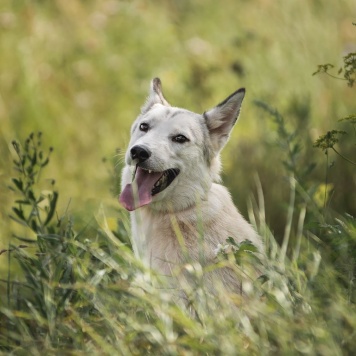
[{"x": 170, "y": 184}]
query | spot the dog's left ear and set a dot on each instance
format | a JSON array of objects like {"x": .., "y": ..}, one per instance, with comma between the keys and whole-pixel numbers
[
  {"x": 221, "y": 119},
  {"x": 155, "y": 96}
]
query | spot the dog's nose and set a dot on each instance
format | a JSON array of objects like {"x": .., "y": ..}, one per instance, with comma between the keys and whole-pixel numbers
[{"x": 141, "y": 153}]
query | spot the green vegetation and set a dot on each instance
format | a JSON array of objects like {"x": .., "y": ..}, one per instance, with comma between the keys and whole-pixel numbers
[
  {"x": 78, "y": 72},
  {"x": 84, "y": 292}
]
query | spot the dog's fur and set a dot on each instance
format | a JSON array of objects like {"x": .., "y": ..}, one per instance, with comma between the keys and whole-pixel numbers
[{"x": 194, "y": 214}]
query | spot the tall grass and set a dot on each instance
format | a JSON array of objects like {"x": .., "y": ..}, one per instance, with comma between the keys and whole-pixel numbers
[
  {"x": 79, "y": 71},
  {"x": 84, "y": 291}
]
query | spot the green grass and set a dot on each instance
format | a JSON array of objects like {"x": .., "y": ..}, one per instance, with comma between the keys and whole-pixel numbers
[
  {"x": 79, "y": 72},
  {"x": 83, "y": 291}
]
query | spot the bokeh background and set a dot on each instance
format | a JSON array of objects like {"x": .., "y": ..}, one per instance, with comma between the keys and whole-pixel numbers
[{"x": 79, "y": 71}]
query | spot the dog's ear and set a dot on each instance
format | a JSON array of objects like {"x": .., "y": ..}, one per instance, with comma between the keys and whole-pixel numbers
[
  {"x": 221, "y": 119},
  {"x": 155, "y": 96}
]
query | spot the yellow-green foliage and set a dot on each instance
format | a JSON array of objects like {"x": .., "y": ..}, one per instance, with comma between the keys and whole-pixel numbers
[
  {"x": 83, "y": 291},
  {"x": 78, "y": 71}
]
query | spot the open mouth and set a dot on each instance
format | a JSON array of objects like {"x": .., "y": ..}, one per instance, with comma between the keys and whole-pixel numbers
[
  {"x": 146, "y": 184},
  {"x": 166, "y": 179}
]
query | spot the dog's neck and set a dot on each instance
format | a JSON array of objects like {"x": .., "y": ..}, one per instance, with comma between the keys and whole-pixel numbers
[{"x": 166, "y": 207}]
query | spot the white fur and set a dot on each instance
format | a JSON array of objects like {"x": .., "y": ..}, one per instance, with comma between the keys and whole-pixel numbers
[{"x": 191, "y": 217}]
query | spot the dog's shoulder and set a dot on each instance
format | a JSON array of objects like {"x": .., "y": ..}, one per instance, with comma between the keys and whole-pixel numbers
[{"x": 222, "y": 212}]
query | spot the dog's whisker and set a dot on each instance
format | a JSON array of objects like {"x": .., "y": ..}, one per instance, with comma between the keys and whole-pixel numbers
[{"x": 120, "y": 155}]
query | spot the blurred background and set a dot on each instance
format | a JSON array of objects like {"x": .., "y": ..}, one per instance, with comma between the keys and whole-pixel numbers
[{"x": 79, "y": 71}]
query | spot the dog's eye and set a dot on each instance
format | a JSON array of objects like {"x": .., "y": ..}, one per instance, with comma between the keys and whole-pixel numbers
[
  {"x": 179, "y": 139},
  {"x": 144, "y": 127}
]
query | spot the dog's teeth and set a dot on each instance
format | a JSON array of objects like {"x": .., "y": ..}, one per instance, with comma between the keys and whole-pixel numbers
[{"x": 149, "y": 171}]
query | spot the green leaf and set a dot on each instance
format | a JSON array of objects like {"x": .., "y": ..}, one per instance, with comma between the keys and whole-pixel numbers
[
  {"x": 34, "y": 226},
  {"x": 55, "y": 237},
  {"x": 263, "y": 278},
  {"x": 31, "y": 196},
  {"x": 231, "y": 241},
  {"x": 29, "y": 170},
  {"x": 24, "y": 239},
  {"x": 45, "y": 162},
  {"x": 41, "y": 198},
  {"x": 52, "y": 208},
  {"x": 247, "y": 245},
  {"x": 19, "y": 213},
  {"x": 21, "y": 222},
  {"x": 18, "y": 183},
  {"x": 23, "y": 202}
]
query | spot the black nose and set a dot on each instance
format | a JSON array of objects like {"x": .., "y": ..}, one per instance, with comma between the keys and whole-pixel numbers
[{"x": 141, "y": 153}]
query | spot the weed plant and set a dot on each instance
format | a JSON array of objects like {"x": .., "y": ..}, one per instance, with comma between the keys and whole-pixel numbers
[
  {"x": 329, "y": 140},
  {"x": 75, "y": 69},
  {"x": 83, "y": 291}
]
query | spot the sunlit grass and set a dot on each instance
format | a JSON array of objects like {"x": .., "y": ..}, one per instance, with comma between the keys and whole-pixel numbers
[
  {"x": 84, "y": 291},
  {"x": 79, "y": 72}
]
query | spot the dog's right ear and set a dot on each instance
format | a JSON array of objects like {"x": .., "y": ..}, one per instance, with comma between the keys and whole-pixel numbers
[{"x": 155, "y": 96}]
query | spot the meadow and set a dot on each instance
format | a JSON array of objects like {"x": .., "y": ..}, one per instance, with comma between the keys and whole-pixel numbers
[{"x": 78, "y": 72}]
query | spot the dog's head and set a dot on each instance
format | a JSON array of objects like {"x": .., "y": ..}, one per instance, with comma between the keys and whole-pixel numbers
[{"x": 173, "y": 155}]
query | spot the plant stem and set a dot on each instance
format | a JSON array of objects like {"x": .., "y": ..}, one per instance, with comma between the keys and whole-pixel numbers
[
  {"x": 334, "y": 76},
  {"x": 345, "y": 158},
  {"x": 289, "y": 222},
  {"x": 326, "y": 180},
  {"x": 8, "y": 276}
]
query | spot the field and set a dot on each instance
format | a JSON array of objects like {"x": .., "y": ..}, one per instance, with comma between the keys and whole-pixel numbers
[{"x": 78, "y": 72}]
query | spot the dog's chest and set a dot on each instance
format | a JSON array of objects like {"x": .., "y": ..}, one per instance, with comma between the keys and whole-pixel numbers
[{"x": 160, "y": 240}]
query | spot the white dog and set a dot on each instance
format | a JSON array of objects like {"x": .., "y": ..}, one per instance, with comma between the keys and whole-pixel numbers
[{"x": 171, "y": 185}]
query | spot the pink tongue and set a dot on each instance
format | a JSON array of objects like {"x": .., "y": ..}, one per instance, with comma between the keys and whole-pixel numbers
[{"x": 133, "y": 197}]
